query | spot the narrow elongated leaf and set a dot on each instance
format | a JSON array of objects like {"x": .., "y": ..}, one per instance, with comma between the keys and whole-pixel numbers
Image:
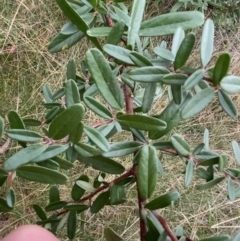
[
  {"x": 164, "y": 53},
  {"x": 163, "y": 201},
  {"x": 54, "y": 195},
  {"x": 168, "y": 23},
  {"x": 194, "y": 79},
  {"x": 123, "y": 148},
  {"x": 99, "y": 31},
  {"x": 209, "y": 162},
  {"x": 47, "y": 92},
  {"x": 146, "y": 170},
  {"x": 180, "y": 145},
  {"x": 55, "y": 206},
  {"x": 63, "y": 164},
  {"x": 77, "y": 192},
  {"x": 140, "y": 60},
  {"x": 10, "y": 198},
  {"x": 104, "y": 78},
  {"x": 116, "y": 33},
  {"x": 76, "y": 134},
  {"x": 101, "y": 200},
  {"x": 15, "y": 120},
  {"x": 3, "y": 176},
  {"x": 72, "y": 224},
  {"x": 231, "y": 84},
  {"x": 207, "y": 42},
  {"x": 223, "y": 161},
  {"x": 177, "y": 40},
  {"x": 31, "y": 122},
  {"x": 201, "y": 172},
  {"x": 227, "y": 103},
  {"x": 184, "y": 51},
  {"x": 39, "y": 211},
  {"x": 85, "y": 185},
  {"x": 221, "y": 68},
  {"x": 76, "y": 207},
  {"x": 71, "y": 72},
  {"x": 52, "y": 113},
  {"x": 23, "y": 157},
  {"x": 62, "y": 42},
  {"x": 87, "y": 150},
  {"x": 236, "y": 151},
  {"x": 24, "y": 135},
  {"x": 103, "y": 164},
  {"x": 231, "y": 189},
  {"x": 237, "y": 237},
  {"x": 141, "y": 122},
  {"x": 97, "y": 138},
  {"x": 118, "y": 53},
  {"x": 50, "y": 164},
  {"x": 197, "y": 103},
  {"x": 189, "y": 172},
  {"x": 148, "y": 74},
  {"x": 50, "y": 152},
  {"x": 41, "y": 174},
  {"x": 217, "y": 238},
  {"x": 210, "y": 184},
  {"x": 174, "y": 79},
  {"x": 1, "y": 128},
  {"x": 97, "y": 107},
  {"x": 177, "y": 93},
  {"x": 148, "y": 97},
  {"x": 76, "y": 19},
  {"x": 111, "y": 235},
  {"x": 66, "y": 122},
  {"x": 3, "y": 206},
  {"x": 117, "y": 194},
  {"x": 72, "y": 93}
]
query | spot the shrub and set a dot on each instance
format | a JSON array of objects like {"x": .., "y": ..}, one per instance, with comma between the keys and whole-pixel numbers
[{"x": 121, "y": 63}]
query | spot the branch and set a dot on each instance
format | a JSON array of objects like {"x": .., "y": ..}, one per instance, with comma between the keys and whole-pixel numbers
[{"x": 5, "y": 146}]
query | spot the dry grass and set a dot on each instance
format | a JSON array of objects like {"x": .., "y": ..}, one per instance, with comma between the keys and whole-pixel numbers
[{"x": 29, "y": 25}]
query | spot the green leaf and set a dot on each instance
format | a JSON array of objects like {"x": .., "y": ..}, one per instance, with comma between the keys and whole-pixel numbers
[
  {"x": 118, "y": 53},
  {"x": 146, "y": 170},
  {"x": 207, "y": 42},
  {"x": 181, "y": 146},
  {"x": 174, "y": 79},
  {"x": 139, "y": 60},
  {"x": 75, "y": 135},
  {"x": 3, "y": 206},
  {"x": 184, "y": 51},
  {"x": 197, "y": 103},
  {"x": 87, "y": 150},
  {"x": 23, "y": 157},
  {"x": 76, "y": 19},
  {"x": 148, "y": 97},
  {"x": 117, "y": 194},
  {"x": 223, "y": 161},
  {"x": 189, "y": 172},
  {"x": 116, "y": 33},
  {"x": 97, "y": 107},
  {"x": 41, "y": 174},
  {"x": 148, "y": 74},
  {"x": 72, "y": 93},
  {"x": 97, "y": 138},
  {"x": 231, "y": 189},
  {"x": 54, "y": 195},
  {"x": 99, "y": 31},
  {"x": 237, "y": 237},
  {"x": 123, "y": 148},
  {"x": 209, "y": 162},
  {"x": 63, "y": 164},
  {"x": 104, "y": 78},
  {"x": 227, "y": 104},
  {"x": 76, "y": 207},
  {"x": 210, "y": 184},
  {"x": 50, "y": 164},
  {"x": 31, "y": 122},
  {"x": 177, "y": 93},
  {"x": 24, "y": 135},
  {"x": 3, "y": 176},
  {"x": 71, "y": 71},
  {"x": 55, "y": 206},
  {"x": 62, "y": 42},
  {"x": 103, "y": 164},
  {"x": 164, "y": 53},
  {"x": 15, "y": 120},
  {"x": 50, "y": 152},
  {"x": 1, "y": 128},
  {"x": 236, "y": 151},
  {"x": 39, "y": 211},
  {"x": 77, "y": 192},
  {"x": 231, "y": 84},
  {"x": 141, "y": 122},
  {"x": 85, "y": 185},
  {"x": 66, "y": 122},
  {"x": 111, "y": 235},
  {"x": 194, "y": 79},
  {"x": 163, "y": 201},
  {"x": 221, "y": 68},
  {"x": 72, "y": 224},
  {"x": 217, "y": 238},
  {"x": 10, "y": 197},
  {"x": 52, "y": 113},
  {"x": 168, "y": 23},
  {"x": 101, "y": 200},
  {"x": 138, "y": 8},
  {"x": 201, "y": 172},
  {"x": 177, "y": 40},
  {"x": 47, "y": 93}
]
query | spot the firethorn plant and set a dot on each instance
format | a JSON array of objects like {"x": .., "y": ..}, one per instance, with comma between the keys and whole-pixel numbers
[{"x": 128, "y": 74}]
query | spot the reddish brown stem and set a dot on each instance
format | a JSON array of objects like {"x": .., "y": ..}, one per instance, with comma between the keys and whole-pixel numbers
[
  {"x": 5, "y": 146},
  {"x": 165, "y": 226}
]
